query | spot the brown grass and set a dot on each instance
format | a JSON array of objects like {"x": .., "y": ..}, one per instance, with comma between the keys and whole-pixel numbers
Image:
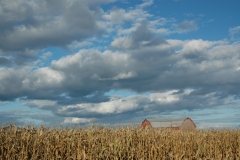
[{"x": 121, "y": 143}]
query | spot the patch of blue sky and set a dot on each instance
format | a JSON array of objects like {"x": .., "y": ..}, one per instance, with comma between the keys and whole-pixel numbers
[
  {"x": 8, "y": 106},
  {"x": 208, "y": 118},
  {"x": 18, "y": 113},
  {"x": 215, "y": 8},
  {"x": 18, "y": 105},
  {"x": 211, "y": 117},
  {"x": 56, "y": 54},
  {"x": 102, "y": 44},
  {"x": 30, "y": 122},
  {"x": 222, "y": 13},
  {"x": 119, "y": 4},
  {"x": 64, "y": 95},
  {"x": 36, "y": 110}
]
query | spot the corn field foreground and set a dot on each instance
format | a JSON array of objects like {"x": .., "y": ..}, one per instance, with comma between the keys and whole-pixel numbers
[{"x": 121, "y": 143}]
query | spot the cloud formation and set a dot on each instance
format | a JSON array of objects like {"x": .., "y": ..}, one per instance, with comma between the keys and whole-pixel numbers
[
  {"x": 27, "y": 27},
  {"x": 69, "y": 85},
  {"x": 119, "y": 49},
  {"x": 234, "y": 32}
]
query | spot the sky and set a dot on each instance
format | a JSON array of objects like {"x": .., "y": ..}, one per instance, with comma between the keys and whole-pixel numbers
[{"x": 74, "y": 62}]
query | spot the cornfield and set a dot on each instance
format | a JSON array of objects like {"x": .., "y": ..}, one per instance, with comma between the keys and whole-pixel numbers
[{"x": 43, "y": 143}]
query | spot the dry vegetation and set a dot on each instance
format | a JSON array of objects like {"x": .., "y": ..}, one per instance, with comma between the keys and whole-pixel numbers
[{"x": 122, "y": 143}]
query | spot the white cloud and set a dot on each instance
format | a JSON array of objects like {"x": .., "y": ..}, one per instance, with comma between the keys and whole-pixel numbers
[
  {"x": 121, "y": 76},
  {"x": 140, "y": 37},
  {"x": 166, "y": 97},
  {"x": 197, "y": 46},
  {"x": 114, "y": 106},
  {"x": 46, "y": 55},
  {"x": 47, "y": 26},
  {"x": 146, "y": 3},
  {"x": 155, "y": 103},
  {"x": 137, "y": 59},
  {"x": 40, "y": 103},
  {"x": 234, "y": 32},
  {"x": 176, "y": 43},
  {"x": 47, "y": 77},
  {"x": 120, "y": 15},
  {"x": 163, "y": 31},
  {"x": 222, "y": 50},
  {"x": 159, "y": 66},
  {"x": 74, "y": 120},
  {"x": 117, "y": 15},
  {"x": 122, "y": 42},
  {"x": 77, "y": 44}
]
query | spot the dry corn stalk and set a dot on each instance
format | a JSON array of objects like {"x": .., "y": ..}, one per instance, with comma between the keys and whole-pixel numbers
[{"x": 121, "y": 143}]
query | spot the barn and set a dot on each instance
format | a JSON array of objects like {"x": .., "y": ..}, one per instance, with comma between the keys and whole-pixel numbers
[{"x": 174, "y": 124}]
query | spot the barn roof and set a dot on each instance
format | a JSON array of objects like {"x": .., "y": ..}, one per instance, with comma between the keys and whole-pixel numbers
[{"x": 177, "y": 122}]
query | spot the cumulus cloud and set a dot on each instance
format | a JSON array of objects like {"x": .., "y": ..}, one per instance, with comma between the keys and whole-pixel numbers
[
  {"x": 26, "y": 27},
  {"x": 74, "y": 80},
  {"x": 198, "y": 64},
  {"x": 153, "y": 104},
  {"x": 35, "y": 25},
  {"x": 118, "y": 15},
  {"x": 142, "y": 36},
  {"x": 177, "y": 74}
]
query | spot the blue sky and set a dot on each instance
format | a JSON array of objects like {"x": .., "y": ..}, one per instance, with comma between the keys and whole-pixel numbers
[{"x": 119, "y": 61}]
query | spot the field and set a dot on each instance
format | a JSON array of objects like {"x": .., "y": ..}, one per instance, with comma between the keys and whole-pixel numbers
[{"x": 120, "y": 143}]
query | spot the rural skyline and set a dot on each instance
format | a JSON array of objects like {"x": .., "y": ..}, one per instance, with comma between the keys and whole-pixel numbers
[{"x": 119, "y": 61}]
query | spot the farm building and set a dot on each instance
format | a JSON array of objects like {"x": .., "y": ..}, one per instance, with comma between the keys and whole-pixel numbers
[{"x": 175, "y": 124}]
